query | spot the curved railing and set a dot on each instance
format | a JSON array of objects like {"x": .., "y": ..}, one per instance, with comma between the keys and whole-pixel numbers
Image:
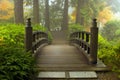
[
  {"x": 34, "y": 40},
  {"x": 39, "y": 38},
  {"x": 87, "y": 42},
  {"x": 81, "y": 38}
]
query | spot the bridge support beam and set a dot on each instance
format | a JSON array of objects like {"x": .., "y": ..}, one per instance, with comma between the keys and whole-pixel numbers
[
  {"x": 94, "y": 43},
  {"x": 28, "y": 35}
]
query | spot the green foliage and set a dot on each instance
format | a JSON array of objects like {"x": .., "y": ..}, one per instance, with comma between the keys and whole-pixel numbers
[
  {"x": 44, "y": 29},
  {"x": 15, "y": 63},
  {"x": 50, "y": 37},
  {"x": 109, "y": 54},
  {"x": 56, "y": 11},
  {"x": 75, "y": 27},
  {"x": 90, "y": 9},
  {"x": 102, "y": 42},
  {"x": 37, "y": 27},
  {"x": 86, "y": 12},
  {"x": 111, "y": 30},
  {"x": 12, "y": 34}
]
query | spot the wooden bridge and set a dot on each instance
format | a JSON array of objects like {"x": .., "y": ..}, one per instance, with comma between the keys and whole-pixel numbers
[{"x": 65, "y": 57}]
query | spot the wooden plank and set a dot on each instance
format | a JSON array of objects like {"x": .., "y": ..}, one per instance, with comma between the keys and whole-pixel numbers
[{"x": 64, "y": 58}]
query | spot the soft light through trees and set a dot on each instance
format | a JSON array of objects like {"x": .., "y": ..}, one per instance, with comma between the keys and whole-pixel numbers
[
  {"x": 105, "y": 15},
  {"x": 73, "y": 15},
  {"x": 6, "y": 9}
]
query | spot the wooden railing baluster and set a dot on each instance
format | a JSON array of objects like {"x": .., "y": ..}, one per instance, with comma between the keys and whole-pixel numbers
[
  {"x": 33, "y": 40},
  {"x": 82, "y": 39},
  {"x": 87, "y": 41}
]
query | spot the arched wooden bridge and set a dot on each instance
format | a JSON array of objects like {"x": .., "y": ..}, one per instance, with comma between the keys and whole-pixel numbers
[{"x": 65, "y": 56}]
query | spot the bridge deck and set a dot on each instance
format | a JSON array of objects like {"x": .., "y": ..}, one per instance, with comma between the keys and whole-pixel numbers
[{"x": 64, "y": 58}]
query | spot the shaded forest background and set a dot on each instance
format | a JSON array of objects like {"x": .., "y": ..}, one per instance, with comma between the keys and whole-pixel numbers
[{"x": 58, "y": 15}]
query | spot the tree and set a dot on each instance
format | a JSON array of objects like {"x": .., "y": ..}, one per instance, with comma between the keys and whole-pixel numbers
[
  {"x": 28, "y": 12},
  {"x": 105, "y": 15},
  {"x": 78, "y": 12},
  {"x": 86, "y": 10},
  {"x": 47, "y": 20},
  {"x": 114, "y": 4},
  {"x": 111, "y": 30},
  {"x": 18, "y": 11},
  {"x": 79, "y": 5},
  {"x": 56, "y": 12},
  {"x": 64, "y": 24},
  {"x": 90, "y": 10},
  {"x": 65, "y": 16},
  {"x": 36, "y": 17},
  {"x": 6, "y": 10}
]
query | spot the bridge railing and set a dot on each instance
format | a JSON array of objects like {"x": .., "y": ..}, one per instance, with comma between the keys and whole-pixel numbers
[
  {"x": 34, "y": 39},
  {"x": 81, "y": 38},
  {"x": 87, "y": 42},
  {"x": 39, "y": 38}
]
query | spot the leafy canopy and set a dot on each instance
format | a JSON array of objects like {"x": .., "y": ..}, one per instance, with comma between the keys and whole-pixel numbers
[{"x": 6, "y": 9}]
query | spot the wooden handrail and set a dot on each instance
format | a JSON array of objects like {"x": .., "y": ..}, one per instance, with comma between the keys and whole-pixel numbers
[
  {"x": 87, "y": 41},
  {"x": 39, "y": 38},
  {"x": 82, "y": 38},
  {"x": 33, "y": 40}
]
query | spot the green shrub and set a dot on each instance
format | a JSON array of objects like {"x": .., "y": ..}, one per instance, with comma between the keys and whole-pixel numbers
[
  {"x": 50, "y": 37},
  {"x": 109, "y": 53},
  {"x": 75, "y": 27},
  {"x": 12, "y": 35},
  {"x": 111, "y": 30},
  {"x": 16, "y": 64},
  {"x": 39, "y": 27}
]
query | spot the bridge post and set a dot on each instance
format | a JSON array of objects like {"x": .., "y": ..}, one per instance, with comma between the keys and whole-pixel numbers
[
  {"x": 28, "y": 35},
  {"x": 94, "y": 43}
]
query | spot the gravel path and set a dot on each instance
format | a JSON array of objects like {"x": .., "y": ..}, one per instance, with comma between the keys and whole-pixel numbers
[{"x": 107, "y": 76}]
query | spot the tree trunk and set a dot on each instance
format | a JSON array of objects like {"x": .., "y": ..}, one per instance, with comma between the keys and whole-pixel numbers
[
  {"x": 47, "y": 20},
  {"x": 79, "y": 16},
  {"x": 78, "y": 12},
  {"x": 18, "y": 11},
  {"x": 64, "y": 24},
  {"x": 36, "y": 16},
  {"x": 65, "y": 17}
]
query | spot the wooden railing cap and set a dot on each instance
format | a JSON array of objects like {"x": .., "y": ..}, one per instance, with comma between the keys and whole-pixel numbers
[
  {"x": 95, "y": 22},
  {"x": 28, "y": 22}
]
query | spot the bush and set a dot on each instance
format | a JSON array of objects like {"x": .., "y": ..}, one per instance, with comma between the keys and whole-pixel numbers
[
  {"x": 109, "y": 53},
  {"x": 15, "y": 63},
  {"x": 75, "y": 27},
  {"x": 111, "y": 30},
  {"x": 12, "y": 35}
]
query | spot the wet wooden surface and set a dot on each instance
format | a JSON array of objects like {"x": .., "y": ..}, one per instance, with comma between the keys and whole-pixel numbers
[
  {"x": 64, "y": 58},
  {"x": 60, "y": 57}
]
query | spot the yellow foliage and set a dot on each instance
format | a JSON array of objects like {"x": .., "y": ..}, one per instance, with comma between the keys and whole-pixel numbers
[
  {"x": 6, "y": 9},
  {"x": 73, "y": 15},
  {"x": 105, "y": 15}
]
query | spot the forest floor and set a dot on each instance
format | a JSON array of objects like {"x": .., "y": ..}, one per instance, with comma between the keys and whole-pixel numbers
[{"x": 107, "y": 76}]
